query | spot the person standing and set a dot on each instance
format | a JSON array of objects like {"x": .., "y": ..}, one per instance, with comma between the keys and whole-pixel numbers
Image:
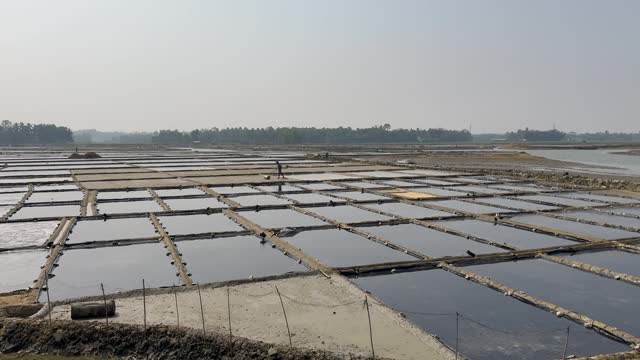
[{"x": 280, "y": 174}]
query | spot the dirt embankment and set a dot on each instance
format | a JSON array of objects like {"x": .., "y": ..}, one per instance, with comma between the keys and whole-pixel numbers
[
  {"x": 635, "y": 152},
  {"x": 119, "y": 340},
  {"x": 517, "y": 165}
]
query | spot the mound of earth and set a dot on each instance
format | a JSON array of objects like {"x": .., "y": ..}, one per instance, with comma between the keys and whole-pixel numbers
[{"x": 89, "y": 155}]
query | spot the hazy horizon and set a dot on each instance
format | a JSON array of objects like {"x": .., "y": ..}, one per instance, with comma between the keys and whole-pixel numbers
[{"x": 492, "y": 65}]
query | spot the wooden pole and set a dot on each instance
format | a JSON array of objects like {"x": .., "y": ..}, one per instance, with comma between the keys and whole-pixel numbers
[
  {"x": 366, "y": 304},
  {"x": 229, "y": 316},
  {"x": 106, "y": 312},
  {"x": 457, "y": 332},
  {"x": 175, "y": 295},
  {"x": 204, "y": 331},
  {"x": 285, "y": 316},
  {"x": 144, "y": 304},
  {"x": 48, "y": 298},
  {"x": 566, "y": 345}
]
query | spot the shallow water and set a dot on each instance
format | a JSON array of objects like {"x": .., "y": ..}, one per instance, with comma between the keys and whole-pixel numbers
[
  {"x": 365, "y": 185},
  {"x": 280, "y": 218},
  {"x": 129, "y": 207},
  {"x": 279, "y": 188},
  {"x": 225, "y": 190},
  {"x": 625, "y": 164},
  {"x": 178, "y": 192},
  {"x": 521, "y": 205},
  {"x": 603, "y": 218},
  {"x": 468, "y": 207},
  {"x": 341, "y": 248},
  {"x": 430, "y": 242},
  {"x": 232, "y": 258},
  {"x": 604, "y": 198},
  {"x": 135, "y": 194},
  {"x": 357, "y": 195},
  {"x": 194, "y": 203},
  {"x": 119, "y": 268},
  {"x": 198, "y": 224},
  {"x": 401, "y": 184},
  {"x": 558, "y": 200},
  {"x": 26, "y": 233},
  {"x": 436, "y": 182},
  {"x": 613, "y": 302},
  {"x": 408, "y": 211},
  {"x": 615, "y": 260},
  {"x": 347, "y": 214},
  {"x": 574, "y": 227},
  {"x": 112, "y": 229},
  {"x": 478, "y": 190},
  {"x": 505, "y": 234},
  {"x": 320, "y": 186},
  {"x": 515, "y": 330},
  {"x": 10, "y": 198},
  {"x": 20, "y": 268},
  {"x": 312, "y": 198},
  {"x": 252, "y": 200},
  {"x": 59, "y": 211},
  {"x": 438, "y": 191},
  {"x": 60, "y": 196},
  {"x": 625, "y": 210}
]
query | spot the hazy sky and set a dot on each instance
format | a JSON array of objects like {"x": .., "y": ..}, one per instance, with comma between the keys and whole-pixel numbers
[{"x": 152, "y": 64}]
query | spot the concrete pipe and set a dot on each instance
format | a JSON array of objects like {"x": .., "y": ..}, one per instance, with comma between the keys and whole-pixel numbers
[{"x": 92, "y": 310}]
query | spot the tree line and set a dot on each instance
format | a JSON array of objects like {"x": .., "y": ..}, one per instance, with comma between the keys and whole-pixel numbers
[
  {"x": 536, "y": 135},
  {"x": 294, "y": 135},
  {"x": 25, "y": 133}
]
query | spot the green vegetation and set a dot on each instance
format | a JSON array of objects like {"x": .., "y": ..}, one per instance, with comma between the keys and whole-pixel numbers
[
  {"x": 25, "y": 133},
  {"x": 536, "y": 135},
  {"x": 292, "y": 135}
]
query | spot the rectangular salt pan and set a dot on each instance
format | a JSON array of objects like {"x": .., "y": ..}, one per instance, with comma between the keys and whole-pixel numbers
[
  {"x": 21, "y": 234},
  {"x": 280, "y": 218},
  {"x": 614, "y": 260},
  {"x": 20, "y": 268},
  {"x": 224, "y": 190},
  {"x": 59, "y": 196},
  {"x": 120, "y": 268},
  {"x": 613, "y": 302},
  {"x": 468, "y": 207},
  {"x": 113, "y": 195},
  {"x": 11, "y": 198},
  {"x": 603, "y": 198},
  {"x": 198, "y": 224},
  {"x": 574, "y": 227},
  {"x": 515, "y": 204},
  {"x": 408, "y": 211},
  {"x": 233, "y": 258},
  {"x": 603, "y": 218},
  {"x": 112, "y": 229},
  {"x": 501, "y": 234},
  {"x": 253, "y": 200},
  {"x": 357, "y": 195},
  {"x": 431, "y": 299},
  {"x": 320, "y": 186},
  {"x": 430, "y": 242},
  {"x": 53, "y": 211},
  {"x": 347, "y": 214},
  {"x": 558, "y": 200},
  {"x": 194, "y": 203},
  {"x": 312, "y": 198},
  {"x": 179, "y": 192},
  {"x": 342, "y": 248},
  {"x": 128, "y": 207}
]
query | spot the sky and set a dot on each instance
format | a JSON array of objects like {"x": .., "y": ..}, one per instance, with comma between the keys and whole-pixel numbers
[{"x": 487, "y": 65}]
